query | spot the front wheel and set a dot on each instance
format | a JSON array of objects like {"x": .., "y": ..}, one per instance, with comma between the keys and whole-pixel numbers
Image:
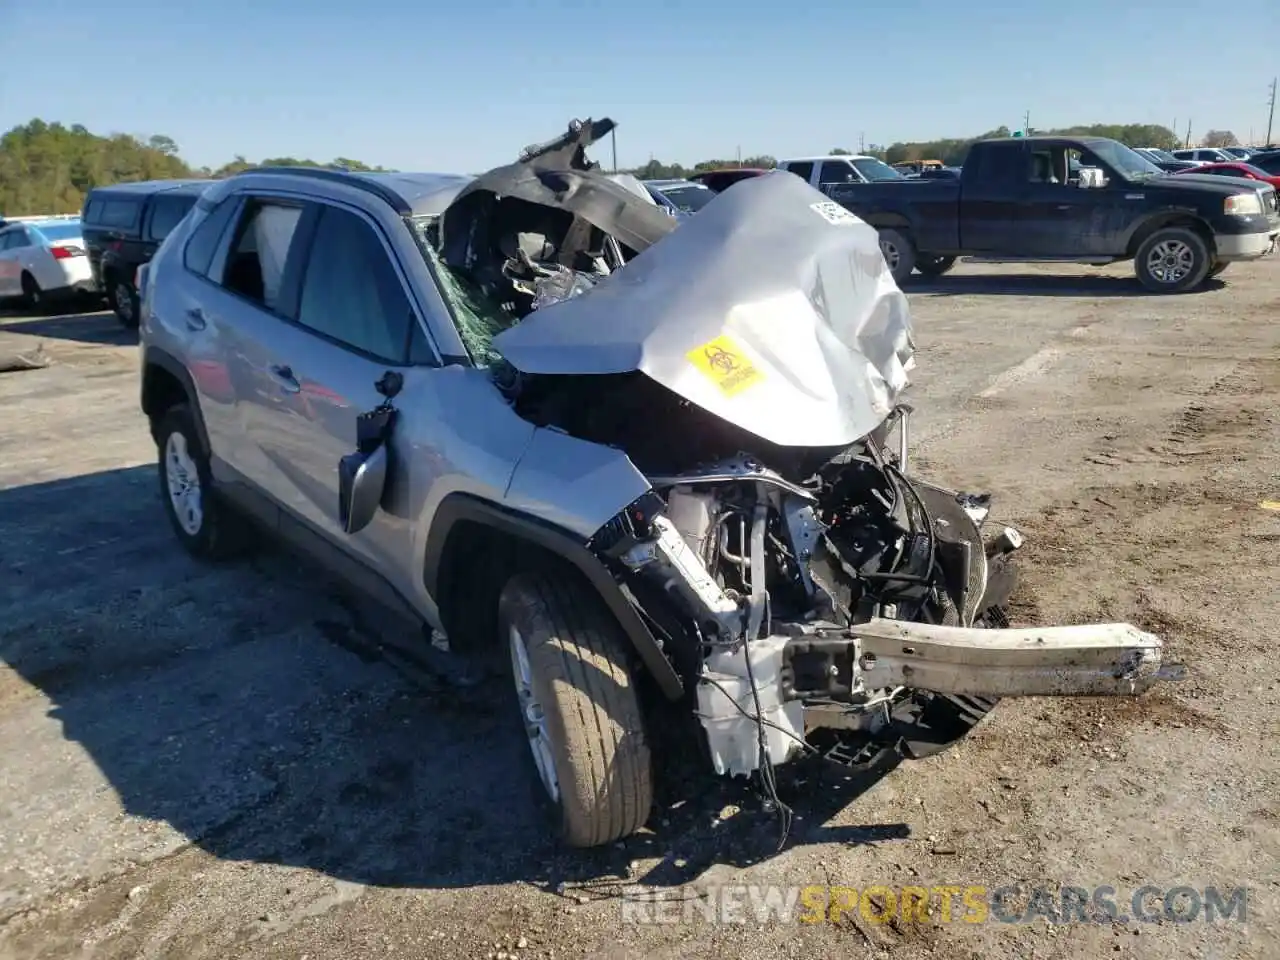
[
  {"x": 899, "y": 253},
  {"x": 931, "y": 266},
  {"x": 578, "y": 707},
  {"x": 1172, "y": 260},
  {"x": 1217, "y": 268}
]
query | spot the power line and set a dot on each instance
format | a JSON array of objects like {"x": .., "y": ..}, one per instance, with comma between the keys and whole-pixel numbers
[{"x": 1271, "y": 109}]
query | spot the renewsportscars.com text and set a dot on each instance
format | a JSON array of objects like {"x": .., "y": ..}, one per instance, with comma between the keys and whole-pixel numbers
[{"x": 958, "y": 903}]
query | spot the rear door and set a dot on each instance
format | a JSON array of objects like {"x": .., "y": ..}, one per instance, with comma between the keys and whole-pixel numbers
[
  {"x": 993, "y": 217},
  {"x": 9, "y": 270},
  {"x": 354, "y": 323}
]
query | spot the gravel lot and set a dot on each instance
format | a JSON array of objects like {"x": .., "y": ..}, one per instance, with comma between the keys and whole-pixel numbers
[{"x": 216, "y": 762}]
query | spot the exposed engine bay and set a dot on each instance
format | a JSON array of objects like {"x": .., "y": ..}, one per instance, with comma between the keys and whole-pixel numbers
[{"x": 814, "y": 595}]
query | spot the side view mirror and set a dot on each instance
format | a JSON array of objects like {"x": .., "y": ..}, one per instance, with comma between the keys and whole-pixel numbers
[
  {"x": 1092, "y": 178},
  {"x": 362, "y": 476}
]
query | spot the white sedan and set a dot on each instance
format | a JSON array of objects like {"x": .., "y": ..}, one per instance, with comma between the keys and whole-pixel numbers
[{"x": 40, "y": 259}]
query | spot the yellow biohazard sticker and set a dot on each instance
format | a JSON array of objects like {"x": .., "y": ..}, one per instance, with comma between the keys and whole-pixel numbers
[{"x": 723, "y": 363}]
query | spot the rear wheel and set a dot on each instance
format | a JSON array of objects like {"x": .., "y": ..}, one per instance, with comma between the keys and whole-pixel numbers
[
  {"x": 931, "y": 266},
  {"x": 1172, "y": 260},
  {"x": 579, "y": 707},
  {"x": 1217, "y": 268},
  {"x": 899, "y": 253},
  {"x": 32, "y": 295},
  {"x": 123, "y": 300},
  {"x": 206, "y": 527}
]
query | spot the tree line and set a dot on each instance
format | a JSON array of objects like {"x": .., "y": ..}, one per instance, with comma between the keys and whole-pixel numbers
[{"x": 49, "y": 167}]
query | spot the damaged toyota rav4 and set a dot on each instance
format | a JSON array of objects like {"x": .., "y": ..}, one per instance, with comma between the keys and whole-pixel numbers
[{"x": 631, "y": 454}]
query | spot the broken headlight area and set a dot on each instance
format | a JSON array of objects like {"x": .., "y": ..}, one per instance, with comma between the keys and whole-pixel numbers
[{"x": 848, "y": 610}]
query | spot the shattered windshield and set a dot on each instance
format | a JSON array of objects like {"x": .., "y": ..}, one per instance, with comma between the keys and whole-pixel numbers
[{"x": 478, "y": 316}]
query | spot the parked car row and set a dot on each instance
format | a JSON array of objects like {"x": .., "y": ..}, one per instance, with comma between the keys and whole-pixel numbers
[{"x": 121, "y": 226}]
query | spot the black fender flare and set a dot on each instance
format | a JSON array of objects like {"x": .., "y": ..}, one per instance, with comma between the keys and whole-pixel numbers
[
  {"x": 154, "y": 357},
  {"x": 1166, "y": 218},
  {"x": 458, "y": 507},
  {"x": 893, "y": 221}
]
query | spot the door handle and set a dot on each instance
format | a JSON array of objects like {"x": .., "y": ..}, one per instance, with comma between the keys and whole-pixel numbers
[
  {"x": 1064, "y": 206},
  {"x": 283, "y": 375},
  {"x": 195, "y": 319}
]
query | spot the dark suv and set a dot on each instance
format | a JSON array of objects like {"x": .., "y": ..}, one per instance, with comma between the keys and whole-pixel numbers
[{"x": 123, "y": 226}]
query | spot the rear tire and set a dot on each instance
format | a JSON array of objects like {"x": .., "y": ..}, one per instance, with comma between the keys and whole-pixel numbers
[
  {"x": 899, "y": 253},
  {"x": 32, "y": 296},
  {"x": 123, "y": 300},
  {"x": 579, "y": 707},
  {"x": 206, "y": 527},
  {"x": 1172, "y": 260},
  {"x": 930, "y": 266},
  {"x": 1217, "y": 268}
]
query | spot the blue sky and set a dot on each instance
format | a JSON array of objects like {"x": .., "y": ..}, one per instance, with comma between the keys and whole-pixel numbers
[{"x": 445, "y": 85}]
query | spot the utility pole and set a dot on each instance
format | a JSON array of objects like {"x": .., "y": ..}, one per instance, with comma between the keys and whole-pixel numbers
[
  {"x": 862, "y": 143},
  {"x": 739, "y": 154},
  {"x": 1026, "y": 124},
  {"x": 613, "y": 140},
  {"x": 1271, "y": 110},
  {"x": 1188, "y": 140}
]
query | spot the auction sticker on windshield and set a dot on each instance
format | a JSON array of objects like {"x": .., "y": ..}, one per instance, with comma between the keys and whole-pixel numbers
[
  {"x": 725, "y": 364},
  {"x": 832, "y": 212}
]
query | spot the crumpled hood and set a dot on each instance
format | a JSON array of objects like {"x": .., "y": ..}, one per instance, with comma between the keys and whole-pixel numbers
[{"x": 772, "y": 308}]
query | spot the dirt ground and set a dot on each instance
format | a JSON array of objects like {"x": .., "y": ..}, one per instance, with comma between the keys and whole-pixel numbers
[{"x": 216, "y": 762}]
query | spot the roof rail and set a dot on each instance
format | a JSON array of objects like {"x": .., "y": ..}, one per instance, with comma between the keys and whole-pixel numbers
[{"x": 339, "y": 176}]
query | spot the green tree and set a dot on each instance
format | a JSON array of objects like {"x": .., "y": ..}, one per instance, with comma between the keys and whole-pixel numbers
[
  {"x": 49, "y": 167},
  {"x": 1220, "y": 138}
]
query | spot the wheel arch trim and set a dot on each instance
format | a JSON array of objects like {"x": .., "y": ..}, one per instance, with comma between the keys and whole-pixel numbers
[{"x": 457, "y": 508}]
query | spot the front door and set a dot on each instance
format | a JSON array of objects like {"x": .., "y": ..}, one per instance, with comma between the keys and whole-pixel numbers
[{"x": 1071, "y": 222}]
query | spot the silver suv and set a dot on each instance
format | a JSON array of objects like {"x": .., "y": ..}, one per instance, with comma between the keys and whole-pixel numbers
[{"x": 658, "y": 464}]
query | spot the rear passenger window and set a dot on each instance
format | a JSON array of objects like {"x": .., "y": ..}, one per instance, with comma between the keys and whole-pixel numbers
[
  {"x": 802, "y": 170},
  {"x": 92, "y": 211},
  {"x": 119, "y": 213},
  {"x": 167, "y": 213},
  {"x": 255, "y": 265},
  {"x": 202, "y": 246},
  {"x": 351, "y": 292}
]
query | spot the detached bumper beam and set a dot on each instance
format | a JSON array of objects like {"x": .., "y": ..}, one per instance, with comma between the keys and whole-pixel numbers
[{"x": 1106, "y": 659}]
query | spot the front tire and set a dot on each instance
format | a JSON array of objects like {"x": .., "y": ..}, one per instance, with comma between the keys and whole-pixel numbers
[
  {"x": 899, "y": 253},
  {"x": 1172, "y": 260},
  {"x": 204, "y": 525},
  {"x": 931, "y": 266},
  {"x": 1217, "y": 268},
  {"x": 579, "y": 707}
]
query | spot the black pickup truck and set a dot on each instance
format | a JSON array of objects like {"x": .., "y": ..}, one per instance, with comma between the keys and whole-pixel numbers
[{"x": 1057, "y": 199}]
